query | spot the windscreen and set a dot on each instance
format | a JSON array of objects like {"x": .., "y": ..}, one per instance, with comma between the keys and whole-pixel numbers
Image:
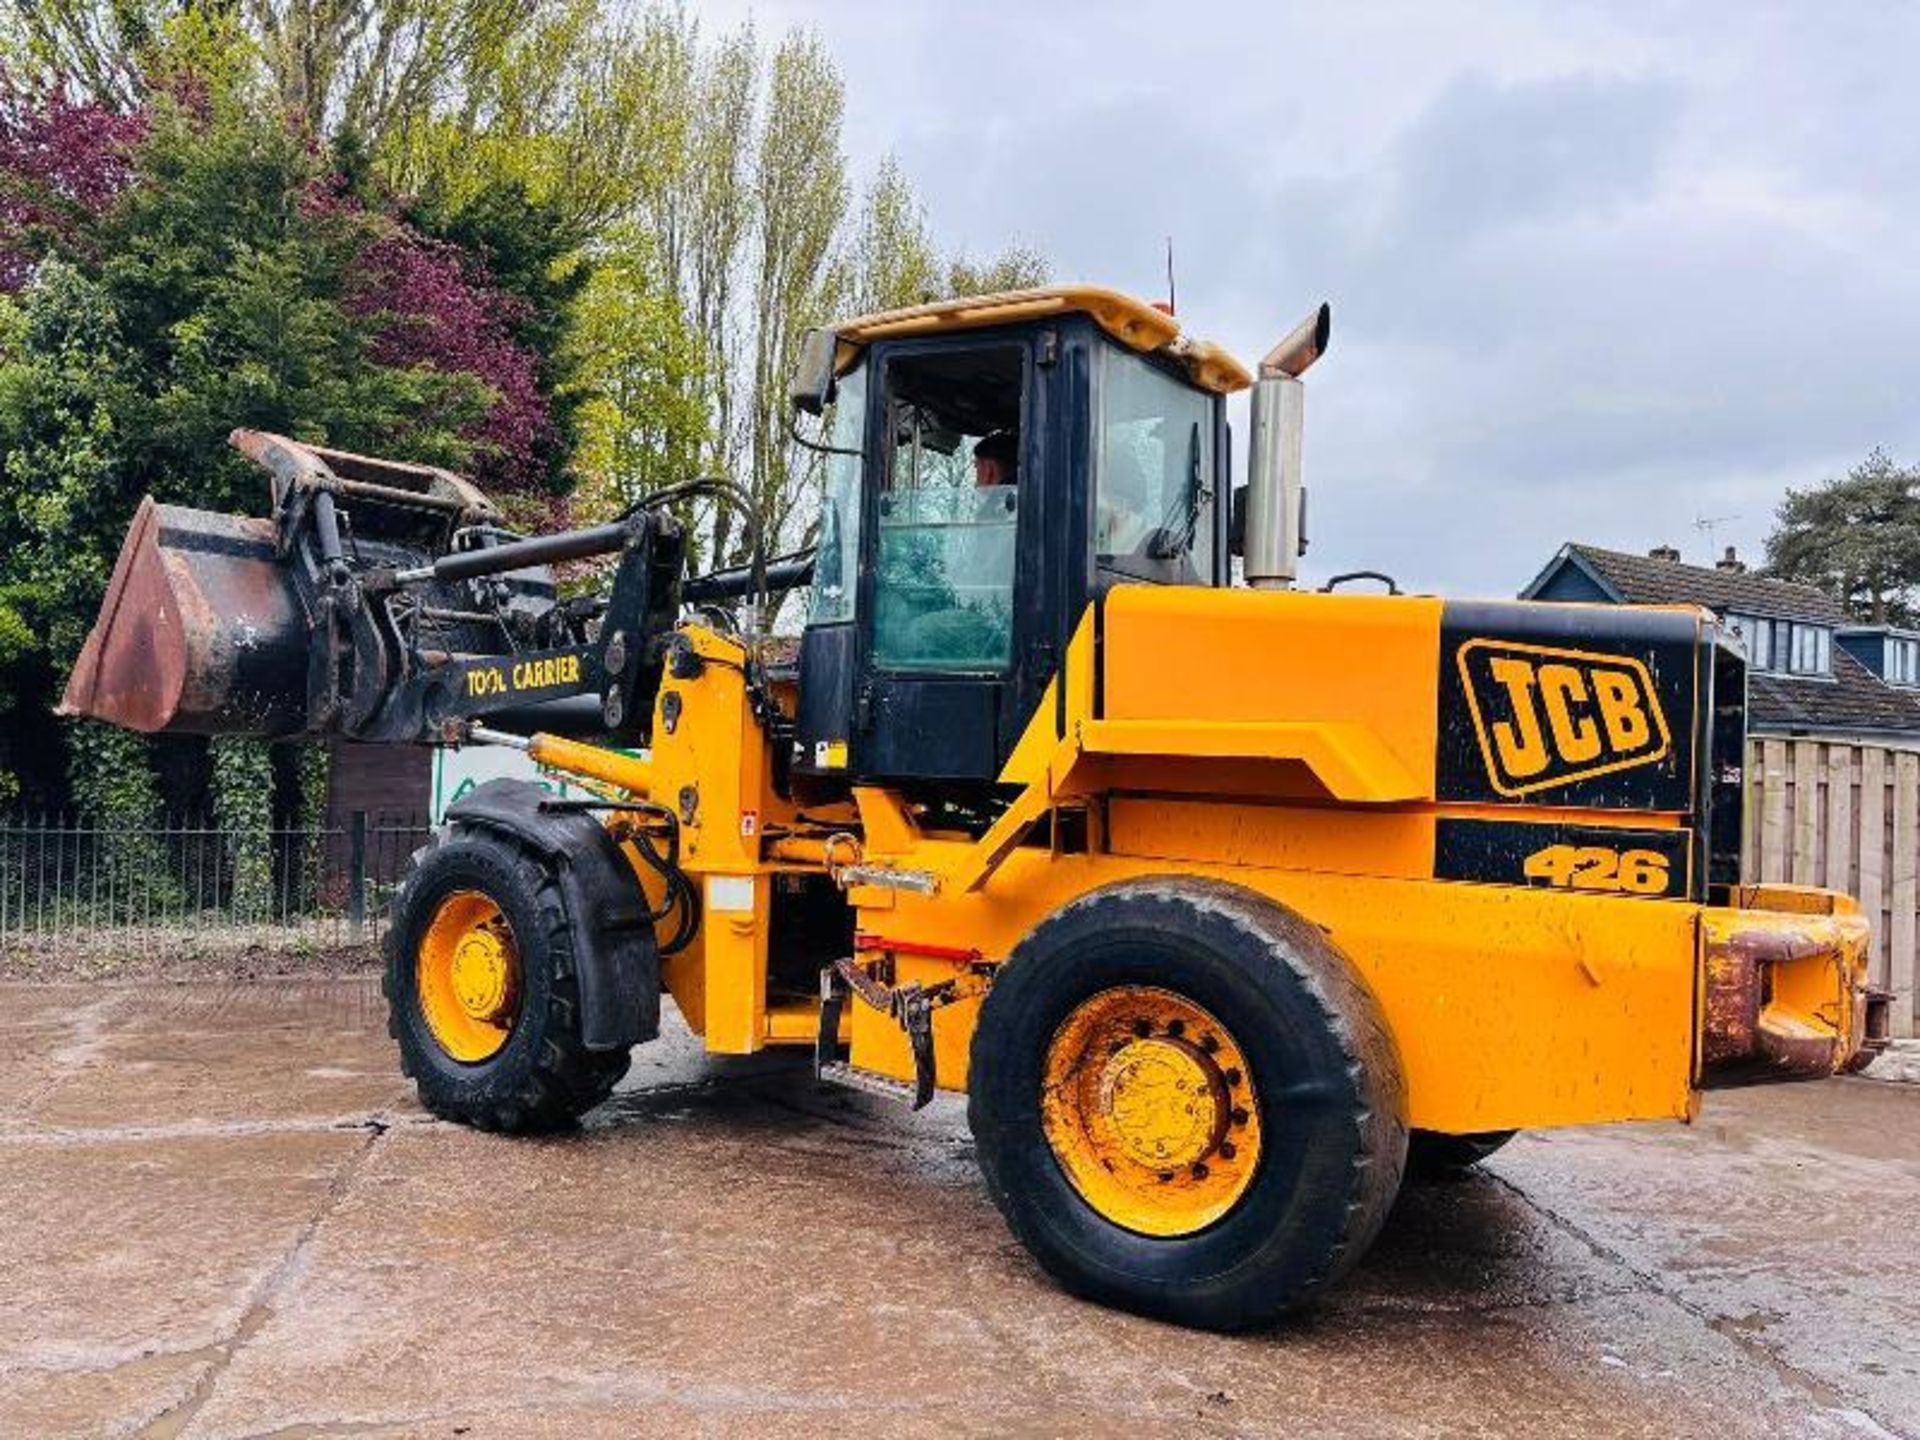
[{"x": 1154, "y": 482}]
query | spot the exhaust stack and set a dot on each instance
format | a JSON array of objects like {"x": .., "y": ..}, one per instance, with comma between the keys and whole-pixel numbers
[{"x": 1276, "y": 496}]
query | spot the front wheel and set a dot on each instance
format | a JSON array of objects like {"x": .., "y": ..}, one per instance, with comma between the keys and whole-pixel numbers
[
  {"x": 1186, "y": 1103},
  {"x": 481, "y": 989}
]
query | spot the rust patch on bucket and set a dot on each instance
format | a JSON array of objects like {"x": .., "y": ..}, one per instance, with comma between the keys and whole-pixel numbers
[{"x": 200, "y": 631}]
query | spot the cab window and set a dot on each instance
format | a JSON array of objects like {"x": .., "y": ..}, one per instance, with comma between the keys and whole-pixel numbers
[
  {"x": 837, "y": 556},
  {"x": 1154, "y": 487},
  {"x": 949, "y": 511}
]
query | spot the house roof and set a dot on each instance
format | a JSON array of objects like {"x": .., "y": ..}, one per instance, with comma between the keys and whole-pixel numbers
[
  {"x": 1852, "y": 699},
  {"x": 1643, "y": 580}
]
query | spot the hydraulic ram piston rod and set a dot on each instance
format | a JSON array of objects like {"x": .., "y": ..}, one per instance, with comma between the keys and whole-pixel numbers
[
  {"x": 520, "y": 554},
  {"x": 574, "y": 757}
]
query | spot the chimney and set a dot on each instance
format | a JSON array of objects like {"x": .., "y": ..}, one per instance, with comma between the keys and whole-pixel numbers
[
  {"x": 1663, "y": 552},
  {"x": 1731, "y": 563}
]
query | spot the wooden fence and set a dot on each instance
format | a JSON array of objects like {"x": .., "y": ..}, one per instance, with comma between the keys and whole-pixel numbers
[{"x": 1846, "y": 816}]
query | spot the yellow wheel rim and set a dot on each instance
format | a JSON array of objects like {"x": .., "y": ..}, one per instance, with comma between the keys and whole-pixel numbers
[
  {"x": 468, "y": 974},
  {"x": 1148, "y": 1104}
]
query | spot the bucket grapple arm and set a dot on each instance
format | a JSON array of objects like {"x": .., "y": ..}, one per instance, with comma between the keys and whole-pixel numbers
[{"x": 382, "y": 601}]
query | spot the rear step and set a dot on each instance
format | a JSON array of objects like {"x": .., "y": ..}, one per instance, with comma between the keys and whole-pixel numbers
[{"x": 909, "y": 1006}]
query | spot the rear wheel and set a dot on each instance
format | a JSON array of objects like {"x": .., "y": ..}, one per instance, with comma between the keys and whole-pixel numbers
[
  {"x": 481, "y": 990},
  {"x": 1186, "y": 1104}
]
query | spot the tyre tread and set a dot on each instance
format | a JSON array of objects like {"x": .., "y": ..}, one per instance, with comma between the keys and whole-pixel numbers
[
  {"x": 1351, "y": 1017},
  {"x": 566, "y": 1078}
]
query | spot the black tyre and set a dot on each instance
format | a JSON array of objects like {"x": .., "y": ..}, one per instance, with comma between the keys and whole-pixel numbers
[
  {"x": 481, "y": 990},
  {"x": 1186, "y": 1103},
  {"x": 1434, "y": 1156}
]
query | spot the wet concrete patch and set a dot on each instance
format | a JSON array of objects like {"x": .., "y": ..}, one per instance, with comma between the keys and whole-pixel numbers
[
  {"x": 758, "y": 1251},
  {"x": 1781, "y": 1219},
  {"x": 223, "y": 1052},
  {"x": 207, "y": 1247},
  {"x": 130, "y": 1270},
  {"x": 124, "y": 1399}
]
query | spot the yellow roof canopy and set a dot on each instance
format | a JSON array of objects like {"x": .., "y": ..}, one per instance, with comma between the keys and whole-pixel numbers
[{"x": 1134, "y": 323}]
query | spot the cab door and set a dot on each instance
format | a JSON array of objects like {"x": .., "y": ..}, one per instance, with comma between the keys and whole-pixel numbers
[{"x": 953, "y": 557}]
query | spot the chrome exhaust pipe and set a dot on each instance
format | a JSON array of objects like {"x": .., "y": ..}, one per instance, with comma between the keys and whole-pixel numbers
[{"x": 1276, "y": 537}]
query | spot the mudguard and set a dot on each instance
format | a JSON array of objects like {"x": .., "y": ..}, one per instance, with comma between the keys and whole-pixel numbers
[{"x": 614, "y": 950}]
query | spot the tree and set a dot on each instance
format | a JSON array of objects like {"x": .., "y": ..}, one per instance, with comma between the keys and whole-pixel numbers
[
  {"x": 228, "y": 283},
  {"x": 98, "y": 50},
  {"x": 645, "y": 423},
  {"x": 232, "y": 268},
  {"x": 61, "y": 396},
  {"x": 800, "y": 192},
  {"x": 895, "y": 263},
  {"x": 518, "y": 144},
  {"x": 536, "y": 261},
  {"x": 1856, "y": 537},
  {"x": 62, "y": 164},
  {"x": 369, "y": 67},
  {"x": 1015, "y": 268}
]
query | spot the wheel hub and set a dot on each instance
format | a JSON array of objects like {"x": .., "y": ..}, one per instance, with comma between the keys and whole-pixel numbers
[
  {"x": 480, "y": 975},
  {"x": 1148, "y": 1105},
  {"x": 467, "y": 970},
  {"x": 1166, "y": 1101}
]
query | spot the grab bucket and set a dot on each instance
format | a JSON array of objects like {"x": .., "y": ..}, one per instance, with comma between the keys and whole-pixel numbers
[{"x": 201, "y": 631}]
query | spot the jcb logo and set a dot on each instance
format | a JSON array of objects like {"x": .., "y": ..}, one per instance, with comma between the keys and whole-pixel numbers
[{"x": 1549, "y": 717}]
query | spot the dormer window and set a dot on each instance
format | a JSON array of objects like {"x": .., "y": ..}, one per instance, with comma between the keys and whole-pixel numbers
[
  {"x": 1812, "y": 650},
  {"x": 1903, "y": 661},
  {"x": 1786, "y": 647}
]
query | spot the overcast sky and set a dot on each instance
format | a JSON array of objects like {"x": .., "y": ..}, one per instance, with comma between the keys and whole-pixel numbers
[{"x": 1597, "y": 271}]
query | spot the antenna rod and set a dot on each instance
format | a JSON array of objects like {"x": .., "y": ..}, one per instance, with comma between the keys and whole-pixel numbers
[{"x": 1173, "y": 303}]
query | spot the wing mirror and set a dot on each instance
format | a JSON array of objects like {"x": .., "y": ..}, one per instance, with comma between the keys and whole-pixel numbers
[{"x": 812, "y": 386}]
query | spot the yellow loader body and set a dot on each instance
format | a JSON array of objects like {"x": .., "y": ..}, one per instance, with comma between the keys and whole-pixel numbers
[{"x": 1287, "y": 744}]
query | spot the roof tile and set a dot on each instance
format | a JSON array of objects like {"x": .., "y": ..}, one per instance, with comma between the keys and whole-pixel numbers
[
  {"x": 1853, "y": 698},
  {"x": 1643, "y": 580}
]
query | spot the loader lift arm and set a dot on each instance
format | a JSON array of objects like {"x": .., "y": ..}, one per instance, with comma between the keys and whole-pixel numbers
[{"x": 383, "y": 601}]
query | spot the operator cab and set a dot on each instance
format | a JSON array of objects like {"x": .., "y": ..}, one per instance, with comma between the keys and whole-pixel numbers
[{"x": 991, "y": 466}]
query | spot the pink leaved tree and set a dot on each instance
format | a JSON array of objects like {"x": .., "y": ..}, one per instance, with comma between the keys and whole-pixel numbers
[{"x": 62, "y": 164}]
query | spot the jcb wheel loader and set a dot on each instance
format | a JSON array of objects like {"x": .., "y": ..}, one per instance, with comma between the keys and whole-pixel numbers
[{"x": 1216, "y": 900}]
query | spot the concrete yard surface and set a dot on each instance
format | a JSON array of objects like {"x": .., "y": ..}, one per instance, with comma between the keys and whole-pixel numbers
[{"x": 226, "y": 1216}]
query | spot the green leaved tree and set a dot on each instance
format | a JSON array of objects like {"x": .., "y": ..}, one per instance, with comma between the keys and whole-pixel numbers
[{"x": 1857, "y": 537}]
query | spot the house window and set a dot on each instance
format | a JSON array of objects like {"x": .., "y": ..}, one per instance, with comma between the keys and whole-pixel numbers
[
  {"x": 1810, "y": 654},
  {"x": 1903, "y": 661},
  {"x": 1757, "y": 635},
  {"x": 1785, "y": 647}
]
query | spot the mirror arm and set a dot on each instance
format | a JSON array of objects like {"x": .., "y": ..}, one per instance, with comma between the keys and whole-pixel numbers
[{"x": 793, "y": 434}]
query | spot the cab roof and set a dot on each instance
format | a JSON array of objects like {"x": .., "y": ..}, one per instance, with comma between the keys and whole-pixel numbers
[{"x": 1134, "y": 323}]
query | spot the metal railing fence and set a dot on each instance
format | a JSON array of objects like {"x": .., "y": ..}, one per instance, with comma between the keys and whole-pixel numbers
[{"x": 75, "y": 883}]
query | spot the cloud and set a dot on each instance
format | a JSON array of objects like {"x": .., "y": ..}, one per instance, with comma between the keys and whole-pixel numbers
[
  {"x": 1489, "y": 157},
  {"x": 1598, "y": 270}
]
